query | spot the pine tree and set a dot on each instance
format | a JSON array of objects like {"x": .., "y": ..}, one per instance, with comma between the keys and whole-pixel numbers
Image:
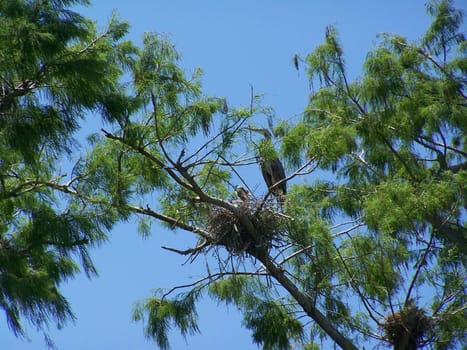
[{"x": 54, "y": 68}]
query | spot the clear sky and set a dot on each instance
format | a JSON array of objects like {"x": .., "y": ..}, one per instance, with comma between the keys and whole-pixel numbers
[{"x": 236, "y": 43}]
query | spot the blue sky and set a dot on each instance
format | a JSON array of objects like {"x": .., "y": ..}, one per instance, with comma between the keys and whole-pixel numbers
[{"x": 236, "y": 43}]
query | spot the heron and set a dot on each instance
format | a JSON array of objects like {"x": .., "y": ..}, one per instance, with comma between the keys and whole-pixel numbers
[
  {"x": 242, "y": 194},
  {"x": 273, "y": 170},
  {"x": 243, "y": 197},
  {"x": 274, "y": 173}
]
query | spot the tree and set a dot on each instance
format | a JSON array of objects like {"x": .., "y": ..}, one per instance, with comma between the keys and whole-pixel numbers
[
  {"x": 372, "y": 253},
  {"x": 54, "y": 68}
]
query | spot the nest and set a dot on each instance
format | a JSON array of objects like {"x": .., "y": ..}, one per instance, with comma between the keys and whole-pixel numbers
[
  {"x": 225, "y": 228},
  {"x": 406, "y": 328}
]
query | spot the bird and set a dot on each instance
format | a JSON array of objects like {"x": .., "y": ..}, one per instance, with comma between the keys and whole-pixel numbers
[
  {"x": 272, "y": 169},
  {"x": 243, "y": 197},
  {"x": 273, "y": 172},
  {"x": 242, "y": 194}
]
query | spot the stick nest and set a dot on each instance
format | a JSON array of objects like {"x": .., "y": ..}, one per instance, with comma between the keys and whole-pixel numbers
[
  {"x": 226, "y": 229},
  {"x": 406, "y": 328}
]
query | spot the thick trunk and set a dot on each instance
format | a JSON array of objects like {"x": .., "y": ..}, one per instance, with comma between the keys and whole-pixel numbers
[{"x": 307, "y": 304}]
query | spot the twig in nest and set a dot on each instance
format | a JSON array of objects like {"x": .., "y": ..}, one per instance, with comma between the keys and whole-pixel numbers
[
  {"x": 225, "y": 228},
  {"x": 406, "y": 328}
]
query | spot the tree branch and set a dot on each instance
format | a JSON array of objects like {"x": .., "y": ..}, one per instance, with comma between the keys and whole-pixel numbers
[
  {"x": 306, "y": 303},
  {"x": 420, "y": 264},
  {"x": 187, "y": 251}
]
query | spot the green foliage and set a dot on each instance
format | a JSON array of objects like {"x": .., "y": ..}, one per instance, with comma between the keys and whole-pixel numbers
[
  {"x": 271, "y": 325},
  {"x": 266, "y": 149},
  {"x": 384, "y": 230},
  {"x": 230, "y": 290},
  {"x": 162, "y": 314},
  {"x": 389, "y": 128},
  {"x": 179, "y": 110},
  {"x": 396, "y": 139},
  {"x": 271, "y": 322},
  {"x": 54, "y": 68},
  {"x": 132, "y": 164},
  {"x": 380, "y": 278}
]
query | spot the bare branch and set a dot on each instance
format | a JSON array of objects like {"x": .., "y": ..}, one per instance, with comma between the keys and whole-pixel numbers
[
  {"x": 135, "y": 209},
  {"x": 420, "y": 264},
  {"x": 365, "y": 163},
  {"x": 294, "y": 254},
  {"x": 93, "y": 42},
  {"x": 188, "y": 251},
  {"x": 445, "y": 146},
  {"x": 235, "y": 126},
  {"x": 354, "y": 286},
  {"x": 172, "y": 221},
  {"x": 347, "y": 231},
  {"x": 141, "y": 150},
  {"x": 210, "y": 278}
]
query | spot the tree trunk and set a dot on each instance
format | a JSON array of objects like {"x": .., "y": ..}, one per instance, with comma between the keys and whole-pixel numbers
[{"x": 307, "y": 304}]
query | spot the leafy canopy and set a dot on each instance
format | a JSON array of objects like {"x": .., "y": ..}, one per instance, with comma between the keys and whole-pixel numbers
[
  {"x": 369, "y": 251},
  {"x": 381, "y": 227},
  {"x": 54, "y": 69}
]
